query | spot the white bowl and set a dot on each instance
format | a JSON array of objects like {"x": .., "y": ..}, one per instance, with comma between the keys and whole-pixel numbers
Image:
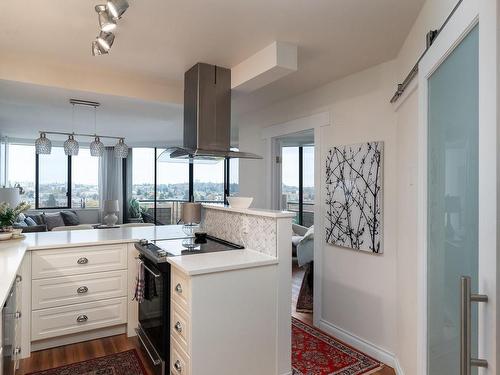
[
  {"x": 5, "y": 236},
  {"x": 240, "y": 202}
]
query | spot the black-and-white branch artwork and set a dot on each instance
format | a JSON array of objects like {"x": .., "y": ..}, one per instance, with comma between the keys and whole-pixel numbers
[{"x": 354, "y": 196}]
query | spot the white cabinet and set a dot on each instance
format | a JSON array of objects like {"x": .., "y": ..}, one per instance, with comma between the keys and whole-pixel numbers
[
  {"x": 78, "y": 260},
  {"x": 224, "y": 323},
  {"x": 82, "y": 317},
  {"x": 78, "y": 293},
  {"x": 67, "y": 290}
]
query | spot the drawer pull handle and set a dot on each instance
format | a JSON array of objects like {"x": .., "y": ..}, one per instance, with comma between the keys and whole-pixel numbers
[
  {"x": 82, "y": 290},
  {"x": 178, "y": 327},
  {"x": 82, "y": 261},
  {"x": 178, "y": 288},
  {"x": 178, "y": 366},
  {"x": 82, "y": 318},
  {"x": 17, "y": 315},
  {"x": 17, "y": 350}
]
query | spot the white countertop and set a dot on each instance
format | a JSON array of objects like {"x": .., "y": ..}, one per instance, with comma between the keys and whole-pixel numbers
[
  {"x": 90, "y": 237},
  {"x": 221, "y": 261},
  {"x": 11, "y": 256}
]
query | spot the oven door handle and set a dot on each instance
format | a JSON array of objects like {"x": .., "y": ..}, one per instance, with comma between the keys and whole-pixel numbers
[{"x": 156, "y": 275}]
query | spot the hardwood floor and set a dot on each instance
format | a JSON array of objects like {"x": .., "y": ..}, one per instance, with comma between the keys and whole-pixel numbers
[
  {"x": 64, "y": 355},
  {"x": 297, "y": 276}
]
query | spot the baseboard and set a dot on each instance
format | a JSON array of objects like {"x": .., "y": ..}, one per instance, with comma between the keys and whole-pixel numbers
[
  {"x": 362, "y": 345},
  {"x": 78, "y": 337}
]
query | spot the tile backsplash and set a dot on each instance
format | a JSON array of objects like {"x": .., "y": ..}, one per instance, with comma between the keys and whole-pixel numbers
[{"x": 254, "y": 232}]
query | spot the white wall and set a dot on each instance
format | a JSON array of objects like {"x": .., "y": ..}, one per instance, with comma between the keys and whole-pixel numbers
[{"x": 371, "y": 298}]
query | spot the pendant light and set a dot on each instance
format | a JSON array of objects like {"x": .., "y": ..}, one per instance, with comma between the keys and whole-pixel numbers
[
  {"x": 106, "y": 21},
  {"x": 121, "y": 149},
  {"x": 43, "y": 145},
  {"x": 117, "y": 7},
  {"x": 96, "y": 147},
  {"x": 71, "y": 146}
]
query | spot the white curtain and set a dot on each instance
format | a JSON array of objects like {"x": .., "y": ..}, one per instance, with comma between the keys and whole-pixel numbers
[{"x": 111, "y": 180}]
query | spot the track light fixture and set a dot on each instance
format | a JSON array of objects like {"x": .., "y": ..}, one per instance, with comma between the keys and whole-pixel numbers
[
  {"x": 117, "y": 7},
  {"x": 106, "y": 21},
  {"x": 107, "y": 15},
  {"x": 105, "y": 40}
]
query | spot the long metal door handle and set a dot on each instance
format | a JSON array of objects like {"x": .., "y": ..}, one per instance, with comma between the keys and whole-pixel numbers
[{"x": 466, "y": 299}]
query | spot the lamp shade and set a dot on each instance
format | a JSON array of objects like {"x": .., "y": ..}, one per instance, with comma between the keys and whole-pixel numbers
[
  {"x": 10, "y": 196},
  {"x": 191, "y": 213},
  {"x": 111, "y": 206}
]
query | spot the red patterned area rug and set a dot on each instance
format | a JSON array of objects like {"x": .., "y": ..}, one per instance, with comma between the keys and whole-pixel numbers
[
  {"x": 125, "y": 363},
  {"x": 316, "y": 353}
]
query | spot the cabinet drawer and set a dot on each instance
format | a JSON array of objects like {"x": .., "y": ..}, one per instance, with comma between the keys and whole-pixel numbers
[
  {"x": 179, "y": 360},
  {"x": 67, "y": 290},
  {"x": 83, "y": 317},
  {"x": 181, "y": 289},
  {"x": 180, "y": 327},
  {"x": 80, "y": 260}
]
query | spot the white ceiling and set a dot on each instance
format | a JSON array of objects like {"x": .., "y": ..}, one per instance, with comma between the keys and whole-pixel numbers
[
  {"x": 160, "y": 39},
  {"x": 26, "y": 109}
]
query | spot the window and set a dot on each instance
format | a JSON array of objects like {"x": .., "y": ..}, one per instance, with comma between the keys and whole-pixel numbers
[
  {"x": 143, "y": 178},
  {"x": 172, "y": 187},
  {"x": 298, "y": 182},
  {"x": 208, "y": 184},
  {"x": 53, "y": 179},
  {"x": 85, "y": 186},
  {"x": 161, "y": 184},
  {"x": 234, "y": 176},
  {"x": 308, "y": 185},
  {"x": 21, "y": 170},
  {"x": 65, "y": 181}
]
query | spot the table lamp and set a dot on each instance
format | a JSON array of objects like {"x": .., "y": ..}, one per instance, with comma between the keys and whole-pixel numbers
[{"x": 111, "y": 208}]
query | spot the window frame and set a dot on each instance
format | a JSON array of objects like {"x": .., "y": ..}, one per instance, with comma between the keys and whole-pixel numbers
[{"x": 69, "y": 184}]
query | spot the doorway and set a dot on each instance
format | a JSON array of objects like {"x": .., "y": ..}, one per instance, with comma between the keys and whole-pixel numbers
[{"x": 296, "y": 193}]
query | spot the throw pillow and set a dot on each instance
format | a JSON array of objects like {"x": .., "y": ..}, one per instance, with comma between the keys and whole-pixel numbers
[
  {"x": 70, "y": 218},
  {"x": 37, "y": 218},
  {"x": 21, "y": 217},
  {"x": 20, "y": 224},
  {"x": 30, "y": 222},
  {"x": 53, "y": 220}
]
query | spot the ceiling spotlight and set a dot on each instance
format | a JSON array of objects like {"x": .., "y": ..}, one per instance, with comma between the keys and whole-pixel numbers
[
  {"x": 121, "y": 149},
  {"x": 97, "y": 50},
  {"x": 43, "y": 145},
  {"x": 71, "y": 146},
  {"x": 106, "y": 21},
  {"x": 105, "y": 40},
  {"x": 117, "y": 7}
]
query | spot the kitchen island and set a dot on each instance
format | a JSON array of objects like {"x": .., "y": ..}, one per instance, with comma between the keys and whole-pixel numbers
[{"x": 58, "y": 309}]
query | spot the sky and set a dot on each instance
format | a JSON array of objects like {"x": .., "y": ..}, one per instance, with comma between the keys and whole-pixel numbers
[
  {"x": 290, "y": 169},
  {"x": 21, "y": 165}
]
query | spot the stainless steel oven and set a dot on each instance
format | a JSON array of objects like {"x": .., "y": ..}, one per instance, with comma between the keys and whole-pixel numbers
[
  {"x": 154, "y": 314},
  {"x": 10, "y": 331}
]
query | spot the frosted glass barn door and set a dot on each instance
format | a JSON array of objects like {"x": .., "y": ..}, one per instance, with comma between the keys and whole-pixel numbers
[{"x": 452, "y": 199}]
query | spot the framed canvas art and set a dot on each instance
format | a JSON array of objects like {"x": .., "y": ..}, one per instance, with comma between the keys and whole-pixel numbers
[{"x": 354, "y": 196}]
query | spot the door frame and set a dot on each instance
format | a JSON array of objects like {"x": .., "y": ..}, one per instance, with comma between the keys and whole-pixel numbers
[
  {"x": 467, "y": 16},
  {"x": 316, "y": 122}
]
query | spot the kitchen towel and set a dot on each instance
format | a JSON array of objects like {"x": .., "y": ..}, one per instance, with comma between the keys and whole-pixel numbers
[{"x": 139, "y": 283}]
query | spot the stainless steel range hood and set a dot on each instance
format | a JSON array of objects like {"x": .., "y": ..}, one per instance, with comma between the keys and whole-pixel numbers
[{"x": 207, "y": 115}]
